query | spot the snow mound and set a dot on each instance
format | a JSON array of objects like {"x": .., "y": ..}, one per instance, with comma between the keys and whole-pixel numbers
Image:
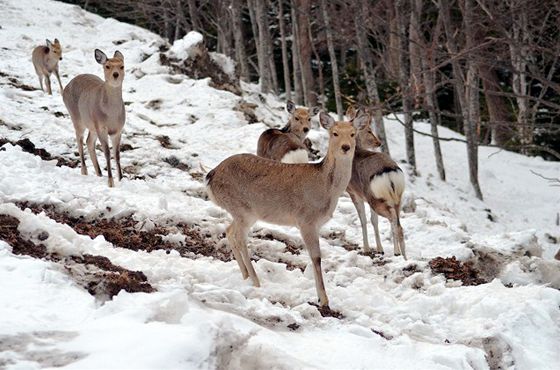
[{"x": 187, "y": 46}]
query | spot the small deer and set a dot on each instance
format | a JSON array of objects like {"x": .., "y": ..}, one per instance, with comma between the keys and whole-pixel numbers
[
  {"x": 98, "y": 106},
  {"x": 252, "y": 188},
  {"x": 377, "y": 180},
  {"x": 287, "y": 145},
  {"x": 45, "y": 60}
]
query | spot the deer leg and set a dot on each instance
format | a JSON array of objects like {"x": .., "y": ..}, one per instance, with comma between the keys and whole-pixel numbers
[
  {"x": 104, "y": 140},
  {"x": 48, "y": 83},
  {"x": 400, "y": 234},
  {"x": 359, "y": 204},
  {"x": 58, "y": 78},
  {"x": 236, "y": 252},
  {"x": 240, "y": 230},
  {"x": 375, "y": 223},
  {"x": 41, "y": 81},
  {"x": 310, "y": 236},
  {"x": 116, "y": 142},
  {"x": 80, "y": 140},
  {"x": 91, "y": 139},
  {"x": 394, "y": 228}
]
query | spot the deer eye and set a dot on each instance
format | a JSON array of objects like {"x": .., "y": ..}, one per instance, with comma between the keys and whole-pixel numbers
[
  {"x": 107, "y": 67},
  {"x": 122, "y": 67},
  {"x": 297, "y": 118},
  {"x": 352, "y": 135},
  {"x": 335, "y": 134}
]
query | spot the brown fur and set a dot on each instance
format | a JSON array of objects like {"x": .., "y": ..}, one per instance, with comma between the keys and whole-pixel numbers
[
  {"x": 275, "y": 144},
  {"x": 45, "y": 60},
  {"x": 97, "y": 106},
  {"x": 252, "y": 188}
]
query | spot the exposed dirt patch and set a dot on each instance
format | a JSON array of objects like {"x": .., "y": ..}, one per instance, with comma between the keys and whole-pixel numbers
[
  {"x": 176, "y": 163},
  {"x": 291, "y": 246},
  {"x": 326, "y": 311},
  {"x": 165, "y": 141},
  {"x": 248, "y": 110},
  {"x": 18, "y": 84},
  {"x": 381, "y": 334},
  {"x": 28, "y": 146},
  {"x": 126, "y": 147},
  {"x": 97, "y": 274},
  {"x": 456, "y": 270},
  {"x": 126, "y": 233}
]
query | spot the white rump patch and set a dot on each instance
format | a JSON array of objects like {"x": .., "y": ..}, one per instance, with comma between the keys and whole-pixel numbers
[
  {"x": 388, "y": 186},
  {"x": 295, "y": 156}
]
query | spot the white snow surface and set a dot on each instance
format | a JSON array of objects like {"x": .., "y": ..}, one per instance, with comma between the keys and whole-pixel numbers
[
  {"x": 181, "y": 48},
  {"x": 203, "y": 315}
]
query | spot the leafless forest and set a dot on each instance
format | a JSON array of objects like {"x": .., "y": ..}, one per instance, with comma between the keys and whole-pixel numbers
[{"x": 487, "y": 69}]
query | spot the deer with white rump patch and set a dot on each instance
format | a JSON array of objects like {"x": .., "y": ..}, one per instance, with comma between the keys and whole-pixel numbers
[
  {"x": 377, "y": 180},
  {"x": 45, "y": 60},
  {"x": 287, "y": 145},
  {"x": 252, "y": 188},
  {"x": 98, "y": 106}
]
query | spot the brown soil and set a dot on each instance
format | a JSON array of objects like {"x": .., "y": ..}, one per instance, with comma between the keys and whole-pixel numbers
[
  {"x": 123, "y": 233},
  {"x": 456, "y": 270},
  {"x": 28, "y": 146},
  {"x": 97, "y": 274},
  {"x": 326, "y": 311}
]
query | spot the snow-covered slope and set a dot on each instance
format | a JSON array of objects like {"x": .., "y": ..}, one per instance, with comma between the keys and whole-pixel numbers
[{"x": 397, "y": 314}]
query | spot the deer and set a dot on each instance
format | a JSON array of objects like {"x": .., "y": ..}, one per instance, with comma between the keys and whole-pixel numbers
[
  {"x": 287, "y": 144},
  {"x": 45, "y": 60},
  {"x": 304, "y": 195},
  {"x": 379, "y": 181},
  {"x": 97, "y": 106}
]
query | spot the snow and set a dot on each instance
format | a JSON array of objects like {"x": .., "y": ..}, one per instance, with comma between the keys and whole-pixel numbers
[
  {"x": 203, "y": 314},
  {"x": 182, "y": 48}
]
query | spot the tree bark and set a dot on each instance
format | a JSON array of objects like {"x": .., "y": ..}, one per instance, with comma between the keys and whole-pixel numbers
[
  {"x": 332, "y": 56},
  {"x": 285, "y": 62},
  {"x": 404, "y": 75},
  {"x": 498, "y": 112},
  {"x": 303, "y": 8},
  {"x": 193, "y": 14},
  {"x": 296, "y": 60},
  {"x": 240, "y": 53},
  {"x": 261, "y": 45}
]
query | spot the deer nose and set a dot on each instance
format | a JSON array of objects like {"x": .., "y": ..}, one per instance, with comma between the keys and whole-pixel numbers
[
  {"x": 60, "y": 58},
  {"x": 305, "y": 129},
  {"x": 116, "y": 75},
  {"x": 345, "y": 148}
]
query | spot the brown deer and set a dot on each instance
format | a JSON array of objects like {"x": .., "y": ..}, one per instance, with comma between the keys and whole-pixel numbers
[
  {"x": 252, "y": 188},
  {"x": 287, "y": 144},
  {"x": 45, "y": 60},
  {"x": 377, "y": 180},
  {"x": 98, "y": 106}
]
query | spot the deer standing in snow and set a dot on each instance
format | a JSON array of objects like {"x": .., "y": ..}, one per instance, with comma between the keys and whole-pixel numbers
[
  {"x": 98, "y": 106},
  {"x": 287, "y": 145},
  {"x": 45, "y": 60},
  {"x": 252, "y": 188},
  {"x": 377, "y": 180}
]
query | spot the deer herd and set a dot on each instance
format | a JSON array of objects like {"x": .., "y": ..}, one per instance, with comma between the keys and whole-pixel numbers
[{"x": 278, "y": 185}]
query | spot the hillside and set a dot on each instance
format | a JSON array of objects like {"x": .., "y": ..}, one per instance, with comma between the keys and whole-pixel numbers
[{"x": 188, "y": 306}]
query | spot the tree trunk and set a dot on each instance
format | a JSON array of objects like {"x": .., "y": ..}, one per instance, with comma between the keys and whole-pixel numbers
[
  {"x": 498, "y": 111},
  {"x": 296, "y": 60},
  {"x": 364, "y": 55},
  {"x": 285, "y": 63},
  {"x": 332, "y": 56},
  {"x": 303, "y": 8},
  {"x": 404, "y": 74},
  {"x": 261, "y": 45},
  {"x": 467, "y": 91},
  {"x": 193, "y": 14},
  {"x": 240, "y": 53}
]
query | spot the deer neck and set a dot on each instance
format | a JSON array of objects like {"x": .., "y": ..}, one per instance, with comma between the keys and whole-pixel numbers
[
  {"x": 336, "y": 171},
  {"x": 112, "y": 97}
]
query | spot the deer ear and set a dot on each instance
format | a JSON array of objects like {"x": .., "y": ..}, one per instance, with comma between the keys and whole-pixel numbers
[
  {"x": 118, "y": 55},
  {"x": 290, "y": 106},
  {"x": 49, "y": 43},
  {"x": 362, "y": 121},
  {"x": 100, "y": 57},
  {"x": 314, "y": 111},
  {"x": 326, "y": 120},
  {"x": 56, "y": 41},
  {"x": 351, "y": 112}
]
